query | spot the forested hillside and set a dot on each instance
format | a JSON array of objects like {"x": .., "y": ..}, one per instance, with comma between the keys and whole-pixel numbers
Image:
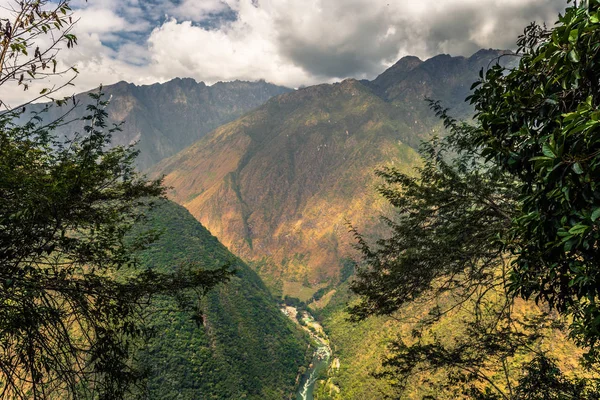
[
  {"x": 362, "y": 347},
  {"x": 433, "y": 233},
  {"x": 240, "y": 346}
]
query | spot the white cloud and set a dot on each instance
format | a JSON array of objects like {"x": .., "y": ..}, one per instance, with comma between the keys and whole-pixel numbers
[{"x": 289, "y": 42}]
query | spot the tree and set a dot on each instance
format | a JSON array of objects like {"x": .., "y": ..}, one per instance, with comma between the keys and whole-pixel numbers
[
  {"x": 444, "y": 254},
  {"x": 71, "y": 290},
  {"x": 446, "y": 259},
  {"x": 70, "y": 294},
  {"x": 510, "y": 203},
  {"x": 540, "y": 123}
]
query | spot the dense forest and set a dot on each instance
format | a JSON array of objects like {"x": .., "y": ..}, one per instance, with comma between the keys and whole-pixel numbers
[{"x": 238, "y": 346}]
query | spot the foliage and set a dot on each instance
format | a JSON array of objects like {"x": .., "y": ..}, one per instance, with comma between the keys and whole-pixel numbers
[
  {"x": 448, "y": 221},
  {"x": 537, "y": 146},
  {"x": 543, "y": 380},
  {"x": 234, "y": 343},
  {"x": 67, "y": 324},
  {"x": 444, "y": 251},
  {"x": 75, "y": 306},
  {"x": 30, "y": 38},
  {"x": 540, "y": 124}
]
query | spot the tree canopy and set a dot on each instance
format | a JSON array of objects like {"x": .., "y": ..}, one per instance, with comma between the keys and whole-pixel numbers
[
  {"x": 508, "y": 203},
  {"x": 540, "y": 123},
  {"x": 71, "y": 292}
]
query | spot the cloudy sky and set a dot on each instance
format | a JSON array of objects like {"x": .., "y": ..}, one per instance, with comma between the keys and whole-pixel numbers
[{"x": 288, "y": 42}]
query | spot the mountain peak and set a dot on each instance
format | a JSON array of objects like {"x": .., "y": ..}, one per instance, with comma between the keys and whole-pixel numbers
[
  {"x": 187, "y": 81},
  {"x": 396, "y": 72},
  {"x": 406, "y": 64},
  {"x": 489, "y": 53}
]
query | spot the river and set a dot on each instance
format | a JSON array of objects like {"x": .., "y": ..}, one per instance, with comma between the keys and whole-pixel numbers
[
  {"x": 321, "y": 357},
  {"x": 320, "y": 363}
]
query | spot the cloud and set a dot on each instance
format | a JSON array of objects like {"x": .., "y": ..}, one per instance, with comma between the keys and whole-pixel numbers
[
  {"x": 288, "y": 42},
  {"x": 292, "y": 42},
  {"x": 198, "y": 10},
  {"x": 360, "y": 37}
]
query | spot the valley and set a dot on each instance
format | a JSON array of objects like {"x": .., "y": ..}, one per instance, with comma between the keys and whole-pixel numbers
[
  {"x": 280, "y": 185},
  {"x": 299, "y": 200}
]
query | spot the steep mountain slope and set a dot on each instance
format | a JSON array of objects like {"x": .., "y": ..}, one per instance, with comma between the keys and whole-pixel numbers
[
  {"x": 168, "y": 117},
  {"x": 244, "y": 348},
  {"x": 278, "y": 185}
]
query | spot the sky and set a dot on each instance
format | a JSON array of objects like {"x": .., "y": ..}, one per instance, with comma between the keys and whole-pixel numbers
[{"x": 286, "y": 42}]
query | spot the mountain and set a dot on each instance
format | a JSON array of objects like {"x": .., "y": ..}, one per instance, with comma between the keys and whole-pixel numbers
[
  {"x": 279, "y": 185},
  {"x": 245, "y": 347},
  {"x": 443, "y": 77},
  {"x": 165, "y": 118}
]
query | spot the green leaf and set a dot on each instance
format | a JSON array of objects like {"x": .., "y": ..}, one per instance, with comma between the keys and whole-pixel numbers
[
  {"x": 577, "y": 168},
  {"x": 574, "y": 56},
  {"x": 569, "y": 245},
  {"x": 541, "y": 158},
  {"x": 573, "y": 35},
  {"x": 596, "y": 214},
  {"x": 578, "y": 229},
  {"x": 548, "y": 151}
]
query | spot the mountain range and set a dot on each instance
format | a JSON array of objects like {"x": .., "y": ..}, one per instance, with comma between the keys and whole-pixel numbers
[
  {"x": 279, "y": 185},
  {"x": 164, "y": 118},
  {"x": 277, "y": 176}
]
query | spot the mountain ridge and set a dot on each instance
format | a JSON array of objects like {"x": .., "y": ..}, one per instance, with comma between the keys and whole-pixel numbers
[
  {"x": 164, "y": 118},
  {"x": 241, "y": 346},
  {"x": 279, "y": 184}
]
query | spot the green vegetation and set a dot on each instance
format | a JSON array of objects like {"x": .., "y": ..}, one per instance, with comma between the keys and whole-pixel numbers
[
  {"x": 92, "y": 303},
  {"x": 502, "y": 210},
  {"x": 471, "y": 287},
  {"x": 540, "y": 124},
  {"x": 68, "y": 324},
  {"x": 234, "y": 343},
  {"x": 286, "y": 177}
]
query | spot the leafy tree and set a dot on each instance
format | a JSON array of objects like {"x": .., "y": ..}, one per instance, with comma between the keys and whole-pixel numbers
[
  {"x": 540, "y": 123},
  {"x": 68, "y": 319},
  {"x": 509, "y": 204},
  {"x": 70, "y": 293},
  {"x": 31, "y": 36},
  {"x": 444, "y": 253}
]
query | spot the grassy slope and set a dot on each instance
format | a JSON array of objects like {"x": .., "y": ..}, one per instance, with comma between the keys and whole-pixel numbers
[{"x": 246, "y": 348}]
